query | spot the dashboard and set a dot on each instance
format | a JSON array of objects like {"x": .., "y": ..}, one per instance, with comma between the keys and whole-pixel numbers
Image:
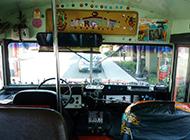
[
  {"x": 119, "y": 95},
  {"x": 97, "y": 110},
  {"x": 101, "y": 94}
]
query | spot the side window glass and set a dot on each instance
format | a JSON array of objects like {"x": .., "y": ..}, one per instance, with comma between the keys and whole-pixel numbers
[
  {"x": 181, "y": 73},
  {"x": 1, "y": 69}
]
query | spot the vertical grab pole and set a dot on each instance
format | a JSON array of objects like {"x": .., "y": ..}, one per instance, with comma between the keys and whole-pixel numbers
[
  {"x": 91, "y": 59},
  {"x": 55, "y": 48}
]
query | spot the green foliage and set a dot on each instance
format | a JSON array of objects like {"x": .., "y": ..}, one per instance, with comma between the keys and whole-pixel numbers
[
  {"x": 152, "y": 79},
  {"x": 155, "y": 69},
  {"x": 129, "y": 65},
  {"x": 109, "y": 52},
  {"x": 181, "y": 92},
  {"x": 116, "y": 54}
]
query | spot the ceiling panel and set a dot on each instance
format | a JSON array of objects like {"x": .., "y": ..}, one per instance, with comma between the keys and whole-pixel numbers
[{"x": 173, "y": 9}]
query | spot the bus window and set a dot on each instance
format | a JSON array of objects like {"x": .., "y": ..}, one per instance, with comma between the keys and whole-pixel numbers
[
  {"x": 141, "y": 64},
  {"x": 1, "y": 69},
  {"x": 181, "y": 74},
  {"x": 27, "y": 65}
]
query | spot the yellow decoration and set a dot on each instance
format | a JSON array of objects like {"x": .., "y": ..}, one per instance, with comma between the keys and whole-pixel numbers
[
  {"x": 80, "y": 24},
  {"x": 125, "y": 129},
  {"x": 99, "y": 25},
  {"x": 116, "y": 26}
]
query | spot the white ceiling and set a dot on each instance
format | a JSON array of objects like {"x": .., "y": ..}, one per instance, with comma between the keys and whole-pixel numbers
[{"x": 173, "y": 9}]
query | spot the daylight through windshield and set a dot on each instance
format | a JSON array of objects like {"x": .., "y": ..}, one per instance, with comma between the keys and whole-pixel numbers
[{"x": 131, "y": 64}]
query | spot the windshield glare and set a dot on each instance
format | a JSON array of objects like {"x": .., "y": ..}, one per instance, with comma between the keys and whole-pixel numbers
[{"x": 132, "y": 64}]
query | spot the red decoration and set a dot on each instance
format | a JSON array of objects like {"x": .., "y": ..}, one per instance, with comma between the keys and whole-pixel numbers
[
  {"x": 91, "y": 6},
  {"x": 128, "y": 8},
  {"x": 37, "y": 11},
  {"x": 57, "y": 5},
  {"x": 81, "y": 5},
  {"x": 36, "y": 22},
  {"x": 101, "y": 6}
]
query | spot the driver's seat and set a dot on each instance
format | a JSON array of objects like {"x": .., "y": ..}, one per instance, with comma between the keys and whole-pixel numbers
[
  {"x": 36, "y": 97},
  {"x": 41, "y": 97}
]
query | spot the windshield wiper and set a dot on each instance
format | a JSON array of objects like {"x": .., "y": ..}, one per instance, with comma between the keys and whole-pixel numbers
[
  {"x": 78, "y": 54},
  {"x": 110, "y": 55},
  {"x": 101, "y": 60}
]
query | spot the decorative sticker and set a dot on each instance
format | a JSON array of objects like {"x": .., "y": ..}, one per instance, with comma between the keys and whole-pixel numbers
[
  {"x": 36, "y": 22},
  {"x": 37, "y": 13},
  {"x": 131, "y": 22},
  {"x": 153, "y": 30},
  {"x": 61, "y": 20},
  {"x": 102, "y": 22},
  {"x": 95, "y": 21}
]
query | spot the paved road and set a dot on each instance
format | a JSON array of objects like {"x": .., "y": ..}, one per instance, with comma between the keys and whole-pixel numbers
[
  {"x": 110, "y": 71},
  {"x": 73, "y": 72},
  {"x": 113, "y": 71},
  {"x": 42, "y": 66}
]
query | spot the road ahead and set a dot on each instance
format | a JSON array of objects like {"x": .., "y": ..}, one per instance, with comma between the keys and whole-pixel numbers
[
  {"x": 73, "y": 72},
  {"x": 42, "y": 66}
]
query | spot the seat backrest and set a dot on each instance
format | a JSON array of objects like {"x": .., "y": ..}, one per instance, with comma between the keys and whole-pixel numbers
[
  {"x": 36, "y": 97},
  {"x": 155, "y": 120},
  {"x": 31, "y": 123}
]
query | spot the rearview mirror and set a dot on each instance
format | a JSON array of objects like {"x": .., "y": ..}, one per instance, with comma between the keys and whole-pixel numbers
[{"x": 70, "y": 39}]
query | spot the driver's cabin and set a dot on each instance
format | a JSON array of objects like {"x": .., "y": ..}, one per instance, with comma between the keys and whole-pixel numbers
[{"x": 94, "y": 70}]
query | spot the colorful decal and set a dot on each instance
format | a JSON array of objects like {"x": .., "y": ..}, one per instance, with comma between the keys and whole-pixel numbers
[
  {"x": 102, "y": 22},
  {"x": 36, "y": 22},
  {"x": 153, "y": 30},
  {"x": 131, "y": 22},
  {"x": 61, "y": 18},
  {"x": 37, "y": 13},
  {"x": 95, "y": 21}
]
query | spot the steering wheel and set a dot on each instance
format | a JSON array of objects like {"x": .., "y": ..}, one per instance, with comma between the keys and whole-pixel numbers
[{"x": 63, "y": 81}]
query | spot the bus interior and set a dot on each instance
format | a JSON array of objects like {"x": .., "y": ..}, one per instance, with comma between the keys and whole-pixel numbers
[{"x": 94, "y": 69}]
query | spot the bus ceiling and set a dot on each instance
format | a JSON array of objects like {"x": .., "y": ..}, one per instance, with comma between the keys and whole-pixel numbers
[
  {"x": 174, "y": 9},
  {"x": 116, "y": 20}
]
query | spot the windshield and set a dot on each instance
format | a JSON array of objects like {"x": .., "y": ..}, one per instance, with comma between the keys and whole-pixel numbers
[{"x": 129, "y": 64}]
